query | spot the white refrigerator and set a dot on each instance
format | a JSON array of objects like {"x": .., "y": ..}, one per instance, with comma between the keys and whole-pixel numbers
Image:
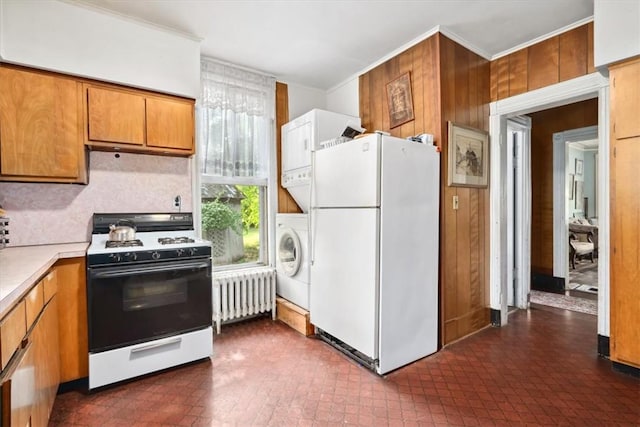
[{"x": 374, "y": 256}]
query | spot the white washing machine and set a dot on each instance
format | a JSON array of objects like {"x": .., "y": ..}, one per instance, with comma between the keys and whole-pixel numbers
[{"x": 292, "y": 258}]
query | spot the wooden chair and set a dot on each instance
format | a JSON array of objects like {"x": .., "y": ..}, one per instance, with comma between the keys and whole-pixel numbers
[{"x": 580, "y": 248}]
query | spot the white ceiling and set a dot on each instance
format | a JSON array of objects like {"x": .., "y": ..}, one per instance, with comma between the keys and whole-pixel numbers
[{"x": 320, "y": 44}]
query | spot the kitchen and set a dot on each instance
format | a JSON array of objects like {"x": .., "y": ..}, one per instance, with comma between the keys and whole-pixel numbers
[{"x": 110, "y": 177}]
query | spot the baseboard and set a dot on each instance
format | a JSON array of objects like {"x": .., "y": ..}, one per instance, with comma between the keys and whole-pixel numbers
[
  {"x": 547, "y": 283},
  {"x": 603, "y": 346},
  {"x": 496, "y": 320},
  {"x": 79, "y": 384},
  {"x": 626, "y": 369}
]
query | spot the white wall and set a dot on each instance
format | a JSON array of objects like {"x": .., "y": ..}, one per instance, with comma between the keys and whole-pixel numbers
[
  {"x": 341, "y": 99},
  {"x": 64, "y": 37},
  {"x": 616, "y": 26},
  {"x": 345, "y": 98},
  {"x": 61, "y": 213},
  {"x": 303, "y": 99}
]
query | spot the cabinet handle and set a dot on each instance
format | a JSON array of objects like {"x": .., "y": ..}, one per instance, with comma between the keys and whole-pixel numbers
[{"x": 155, "y": 345}]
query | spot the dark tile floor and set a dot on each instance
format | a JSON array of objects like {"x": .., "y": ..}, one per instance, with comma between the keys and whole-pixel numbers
[{"x": 542, "y": 369}]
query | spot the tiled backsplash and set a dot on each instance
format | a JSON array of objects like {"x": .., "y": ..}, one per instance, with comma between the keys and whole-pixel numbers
[{"x": 61, "y": 213}]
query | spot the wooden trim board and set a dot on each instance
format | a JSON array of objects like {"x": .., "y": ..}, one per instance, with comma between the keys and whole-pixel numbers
[{"x": 294, "y": 316}]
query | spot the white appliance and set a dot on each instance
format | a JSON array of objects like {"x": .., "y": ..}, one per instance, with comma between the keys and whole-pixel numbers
[
  {"x": 292, "y": 258},
  {"x": 374, "y": 260},
  {"x": 149, "y": 300},
  {"x": 299, "y": 138}
]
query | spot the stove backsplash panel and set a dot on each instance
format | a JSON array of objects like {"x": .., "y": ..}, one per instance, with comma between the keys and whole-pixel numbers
[{"x": 122, "y": 182}]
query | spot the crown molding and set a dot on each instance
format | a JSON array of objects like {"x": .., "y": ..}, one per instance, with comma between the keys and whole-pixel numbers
[{"x": 543, "y": 38}]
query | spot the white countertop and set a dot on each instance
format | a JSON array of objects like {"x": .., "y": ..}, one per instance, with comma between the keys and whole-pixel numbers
[{"x": 22, "y": 266}]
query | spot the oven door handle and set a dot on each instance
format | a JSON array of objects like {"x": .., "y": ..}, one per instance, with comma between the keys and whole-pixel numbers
[{"x": 133, "y": 271}]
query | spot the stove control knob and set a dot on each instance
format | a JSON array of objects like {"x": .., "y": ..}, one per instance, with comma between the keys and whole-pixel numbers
[
  {"x": 132, "y": 256},
  {"x": 180, "y": 252},
  {"x": 155, "y": 255},
  {"x": 192, "y": 251},
  {"x": 115, "y": 257}
]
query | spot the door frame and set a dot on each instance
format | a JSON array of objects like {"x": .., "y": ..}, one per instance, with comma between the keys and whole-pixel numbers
[
  {"x": 519, "y": 212},
  {"x": 591, "y": 86},
  {"x": 560, "y": 214}
]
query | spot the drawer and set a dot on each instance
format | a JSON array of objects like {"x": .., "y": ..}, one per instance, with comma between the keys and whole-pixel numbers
[
  {"x": 34, "y": 303},
  {"x": 13, "y": 329},
  {"x": 50, "y": 283}
]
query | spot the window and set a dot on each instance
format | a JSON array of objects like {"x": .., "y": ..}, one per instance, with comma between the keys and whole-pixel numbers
[{"x": 235, "y": 133}]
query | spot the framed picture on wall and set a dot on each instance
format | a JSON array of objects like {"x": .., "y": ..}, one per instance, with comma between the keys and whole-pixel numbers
[
  {"x": 400, "y": 101},
  {"x": 578, "y": 167},
  {"x": 468, "y": 156}
]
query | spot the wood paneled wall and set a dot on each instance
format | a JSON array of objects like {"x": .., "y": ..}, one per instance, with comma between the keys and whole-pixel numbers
[
  {"x": 448, "y": 82},
  {"x": 465, "y": 79},
  {"x": 286, "y": 204},
  {"x": 554, "y": 60},
  {"x": 544, "y": 125}
]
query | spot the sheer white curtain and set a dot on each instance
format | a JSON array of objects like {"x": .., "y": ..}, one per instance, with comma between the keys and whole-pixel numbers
[{"x": 235, "y": 115}]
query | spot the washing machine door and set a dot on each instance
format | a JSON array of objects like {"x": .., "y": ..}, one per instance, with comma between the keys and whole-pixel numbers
[{"x": 289, "y": 254}]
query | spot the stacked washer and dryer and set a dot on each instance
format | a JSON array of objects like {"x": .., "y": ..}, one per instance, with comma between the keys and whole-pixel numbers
[{"x": 300, "y": 137}]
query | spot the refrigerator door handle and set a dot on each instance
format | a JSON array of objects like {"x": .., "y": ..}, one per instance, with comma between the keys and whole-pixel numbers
[{"x": 312, "y": 229}]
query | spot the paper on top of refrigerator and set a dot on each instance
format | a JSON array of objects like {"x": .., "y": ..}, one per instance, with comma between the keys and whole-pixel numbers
[{"x": 349, "y": 133}]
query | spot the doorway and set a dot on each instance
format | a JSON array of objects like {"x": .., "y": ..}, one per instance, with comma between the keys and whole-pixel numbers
[
  {"x": 575, "y": 211},
  {"x": 583, "y": 88}
]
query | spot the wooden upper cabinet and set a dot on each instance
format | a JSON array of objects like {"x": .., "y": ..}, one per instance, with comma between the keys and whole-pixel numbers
[
  {"x": 115, "y": 116},
  {"x": 127, "y": 119},
  {"x": 625, "y": 99},
  {"x": 40, "y": 131},
  {"x": 170, "y": 124}
]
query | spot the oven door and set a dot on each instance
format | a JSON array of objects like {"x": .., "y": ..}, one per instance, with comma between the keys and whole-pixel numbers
[{"x": 140, "y": 302}]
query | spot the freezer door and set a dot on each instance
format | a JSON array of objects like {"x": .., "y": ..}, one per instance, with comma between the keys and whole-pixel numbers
[
  {"x": 347, "y": 175},
  {"x": 344, "y": 276}
]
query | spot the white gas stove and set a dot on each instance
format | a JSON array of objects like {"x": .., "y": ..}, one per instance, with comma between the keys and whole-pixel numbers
[{"x": 149, "y": 299}]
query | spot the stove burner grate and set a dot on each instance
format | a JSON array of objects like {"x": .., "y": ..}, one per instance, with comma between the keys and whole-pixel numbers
[
  {"x": 123, "y": 243},
  {"x": 174, "y": 240}
]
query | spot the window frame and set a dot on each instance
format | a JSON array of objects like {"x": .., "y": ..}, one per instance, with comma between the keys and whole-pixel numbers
[{"x": 268, "y": 205}]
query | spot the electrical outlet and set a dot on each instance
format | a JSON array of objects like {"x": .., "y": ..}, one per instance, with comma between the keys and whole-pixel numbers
[{"x": 177, "y": 202}]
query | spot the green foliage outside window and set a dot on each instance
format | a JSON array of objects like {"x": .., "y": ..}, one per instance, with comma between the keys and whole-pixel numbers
[
  {"x": 219, "y": 216},
  {"x": 250, "y": 206}
]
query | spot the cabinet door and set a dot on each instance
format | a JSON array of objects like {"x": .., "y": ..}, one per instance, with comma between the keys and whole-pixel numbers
[
  {"x": 625, "y": 100},
  {"x": 39, "y": 125},
  {"x": 44, "y": 338},
  {"x": 625, "y": 253},
  {"x": 115, "y": 116},
  {"x": 170, "y": 124},
  {"x": 13, "y": 328},
  {"x": 72, "y": 319},
  {"x": 19, "y": 390}
]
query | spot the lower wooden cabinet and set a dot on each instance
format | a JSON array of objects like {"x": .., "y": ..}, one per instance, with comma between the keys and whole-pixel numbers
[
  {"x": 30, "y": 382},
  {"x": 43, "y": 342},
  {"x": 72, "y": 311},
  {"x": 47, "y": 361},
  {"x": 19, "y": 390}
]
